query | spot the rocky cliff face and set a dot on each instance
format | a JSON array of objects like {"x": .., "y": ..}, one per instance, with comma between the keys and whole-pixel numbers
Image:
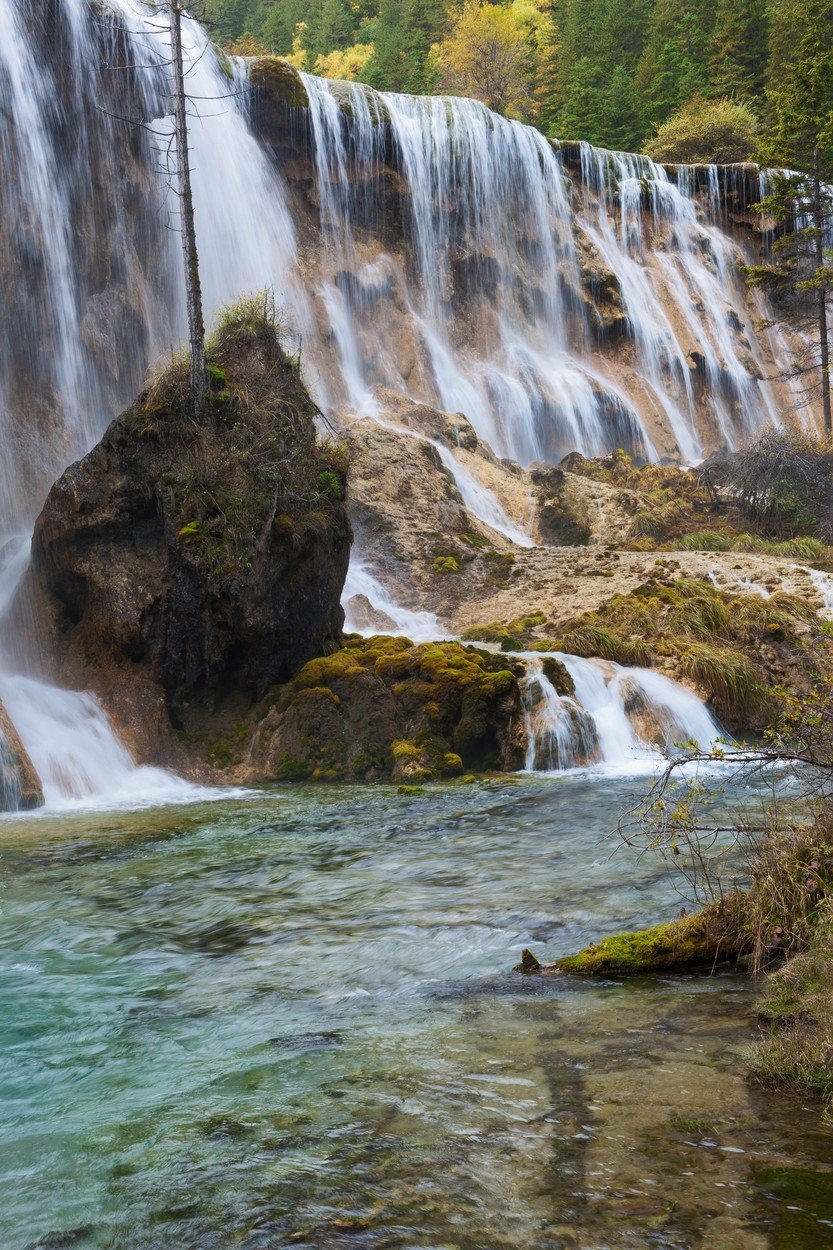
[{"x": 184, "y": 566}]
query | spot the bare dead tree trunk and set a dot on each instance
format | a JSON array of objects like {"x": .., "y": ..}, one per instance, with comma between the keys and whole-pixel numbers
[
  {"x": 193, "y": 291},
  {"x": 824, "y": 346}
]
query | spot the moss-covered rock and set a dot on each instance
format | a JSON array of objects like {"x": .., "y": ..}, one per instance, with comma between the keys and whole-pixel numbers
[
  {"x": 708, "y": 937},
  {"x": 564, "y": 517},
  {"x": 383, "y": 707},
  {"x": 279, "y": 79}
]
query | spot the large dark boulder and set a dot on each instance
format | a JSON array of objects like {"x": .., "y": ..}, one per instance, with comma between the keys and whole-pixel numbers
[{"x": 207, "y": 557}]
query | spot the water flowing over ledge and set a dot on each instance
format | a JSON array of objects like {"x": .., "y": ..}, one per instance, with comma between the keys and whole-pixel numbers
[{"x": 618, "y": 717}]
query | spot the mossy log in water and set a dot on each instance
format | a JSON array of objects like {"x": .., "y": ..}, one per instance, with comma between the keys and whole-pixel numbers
[{"x": 702, "y": 940}]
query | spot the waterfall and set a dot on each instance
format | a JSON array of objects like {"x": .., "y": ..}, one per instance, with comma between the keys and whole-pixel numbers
[
  {"x": 616, "y": 716},
  {"x": 428, "y": 246},
  {"x": 495, "y": 232},
  {"x": 369, "y": 608},
  {"x": 823, "y": 583},
  {"x": 96, "y": 295}
]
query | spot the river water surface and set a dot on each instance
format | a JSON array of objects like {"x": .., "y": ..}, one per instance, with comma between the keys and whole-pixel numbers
[{"x": 290, "y": 1019}]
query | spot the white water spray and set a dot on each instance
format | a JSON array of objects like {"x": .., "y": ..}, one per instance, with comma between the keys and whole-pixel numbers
[{"x": 620, "y": 717}]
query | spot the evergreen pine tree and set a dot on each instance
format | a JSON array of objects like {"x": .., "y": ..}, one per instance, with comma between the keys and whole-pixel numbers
[
  {"x": 673, "y": 67},
  {"x": 738, "y": 48},
  {"x": 330, "y": 26},
  {"x": 387, "y": 67}
]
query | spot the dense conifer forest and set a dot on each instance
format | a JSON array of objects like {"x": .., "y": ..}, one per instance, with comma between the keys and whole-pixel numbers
[{"x": 609, "y": 71}]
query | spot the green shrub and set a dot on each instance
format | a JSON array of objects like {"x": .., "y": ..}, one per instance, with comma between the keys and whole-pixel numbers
[
  {"x": 329, "y": 485},
  {"x": 706, "y": 132}
]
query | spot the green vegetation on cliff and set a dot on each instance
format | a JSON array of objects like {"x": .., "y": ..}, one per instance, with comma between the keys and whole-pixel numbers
[
  {"x": 734, "y": 648},
  {"x": 773, "y": 498},
  {"x": 274, "y": 475}
]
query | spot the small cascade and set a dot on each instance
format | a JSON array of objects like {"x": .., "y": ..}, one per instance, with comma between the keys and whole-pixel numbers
[
  {"x": 75, "y": 752},
  {"x": 560, "y": 733},
  {"x": 823, "y": 583},
  {"x": 11, "y": 790},
  {"x": 615, "y": 716},
  {"x": 369, "y": 608},
  {"x": 66, "y": 734}
]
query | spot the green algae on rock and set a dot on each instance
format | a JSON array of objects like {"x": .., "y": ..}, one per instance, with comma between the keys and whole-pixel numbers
[{"x": 383, "y": 707}]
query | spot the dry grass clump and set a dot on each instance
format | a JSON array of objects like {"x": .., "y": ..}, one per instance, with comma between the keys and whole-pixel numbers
[
  {"x": 789, "y": 913},
  {"x": 784, "y": 483},
  {"x": 594, "y": 640},
  {"x": 731, "y": 680},
  {"x": 796, "y": 1051},
  {"x": 711, "y": 637}
]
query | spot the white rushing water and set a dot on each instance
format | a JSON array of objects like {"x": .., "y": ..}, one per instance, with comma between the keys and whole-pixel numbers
[
  {"x": 823, "y": 583},
  {"x": 369, "y": 608},
  {"x": 617, "y": 716},
  {"x": 67, "y": 734},
  {"x": 476, "y": 305},
  {"x": 490, "y": 219}
]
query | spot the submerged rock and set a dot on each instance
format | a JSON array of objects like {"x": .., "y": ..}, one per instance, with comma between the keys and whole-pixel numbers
[
  {"x": 20, "y": 787},
  {"x": 382, "y": 707},
  {"x": 206, "y": 559}
]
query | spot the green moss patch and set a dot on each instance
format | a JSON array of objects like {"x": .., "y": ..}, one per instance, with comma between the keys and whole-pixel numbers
[
  {"x": 383, "y": 707},
  {"x": 276, "y": 77},
  {"x": 704, "y": 939}
]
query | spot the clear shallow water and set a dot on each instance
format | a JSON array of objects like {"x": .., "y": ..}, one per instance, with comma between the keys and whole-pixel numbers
[{"x": 290, "y": 1020}]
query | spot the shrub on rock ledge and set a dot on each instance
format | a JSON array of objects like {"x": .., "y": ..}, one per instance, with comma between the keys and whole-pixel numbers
[{"x": 706, "y": 132}]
